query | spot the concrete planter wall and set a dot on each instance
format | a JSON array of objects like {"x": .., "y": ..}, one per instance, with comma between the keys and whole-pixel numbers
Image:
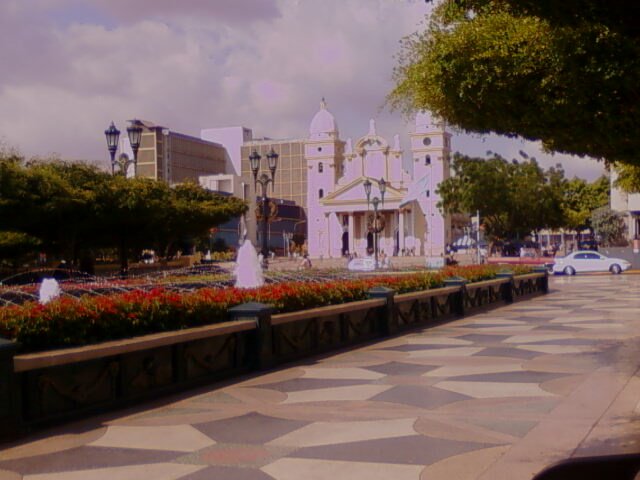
[{"x": 43, "y": 388}]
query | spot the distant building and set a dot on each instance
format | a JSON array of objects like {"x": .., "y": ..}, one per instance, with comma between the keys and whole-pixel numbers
[
  {"x": 291, "y": 175},
  {"x": 628, "y": 205},
  {"x": 340, "y": 219},
  {"x": 325, "y": 175},
  {"x": 175, "y": 157}
]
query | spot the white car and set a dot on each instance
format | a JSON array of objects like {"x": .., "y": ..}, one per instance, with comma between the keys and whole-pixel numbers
[
  {"x": 589, "y": 261},
  {"x": 365, "y": 264}
]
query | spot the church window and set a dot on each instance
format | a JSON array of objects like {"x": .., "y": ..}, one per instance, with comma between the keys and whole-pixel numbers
[
  {"x": 319, "y": 149},
  {"x": 426, "y": 141},
  {"x": 320, "y": 167},
  {"x": 427, "y": 160},
  {"x": 320, "y": 193}
]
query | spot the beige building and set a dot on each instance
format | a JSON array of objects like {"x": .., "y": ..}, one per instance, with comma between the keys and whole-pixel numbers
[
  {"x": 175, "y": 157},
  {"x": 291, "y": 173},
  {"x": 628, "y": 205}
]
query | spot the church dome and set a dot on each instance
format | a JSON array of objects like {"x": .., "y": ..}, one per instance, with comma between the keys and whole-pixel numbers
[{"x": 323, "y": 125}]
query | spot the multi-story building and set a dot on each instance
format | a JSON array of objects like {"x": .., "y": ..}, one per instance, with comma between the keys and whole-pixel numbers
[
  {"x": 628, "y": 205},
  {"x": 326, "y": 175},
  {"x": 290, "y": 184},
  {"x": 175, "y": 157},
  {"x": 340, "y": 217},
  {"x": 291, "y": 174}
]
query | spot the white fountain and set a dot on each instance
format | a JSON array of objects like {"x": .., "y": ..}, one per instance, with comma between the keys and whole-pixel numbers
[
  {"x": 49, "y": 290},
  {"x": 248, "y": 271}
]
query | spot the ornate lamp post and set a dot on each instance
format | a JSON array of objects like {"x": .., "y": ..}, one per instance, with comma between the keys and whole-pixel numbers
[
  {"x": 112, "y": 134},
  {"x": 378, "y": 222},
  {"x": 264, "y": 181},
  {"x": 134, "y": 131}
]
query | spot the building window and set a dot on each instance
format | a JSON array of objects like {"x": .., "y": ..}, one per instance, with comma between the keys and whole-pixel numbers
[
  {"x": 426, "y": 141},
  {"x": 319, "y": 149},
  {"x": 427, "y": 159},
  {"x": 320, "y": 193},
  {"x": 320, "y": 167}
]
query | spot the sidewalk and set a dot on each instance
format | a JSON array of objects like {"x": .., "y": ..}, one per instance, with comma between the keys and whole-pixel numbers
[{"x": 495, "y": 396}]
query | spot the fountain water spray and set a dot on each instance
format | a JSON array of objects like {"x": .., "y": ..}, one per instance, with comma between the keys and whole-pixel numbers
[
  {"x": 49, "y": 290},
  {"x": 248, "y": 271}
]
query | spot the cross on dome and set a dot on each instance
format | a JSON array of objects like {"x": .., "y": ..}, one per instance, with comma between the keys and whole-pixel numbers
[
  {"x": 372, "y": 127},
  {"x": 324, "y": 125}
]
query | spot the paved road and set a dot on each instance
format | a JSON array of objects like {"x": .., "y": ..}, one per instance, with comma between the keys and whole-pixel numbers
[{"x": 495, "y": 396}]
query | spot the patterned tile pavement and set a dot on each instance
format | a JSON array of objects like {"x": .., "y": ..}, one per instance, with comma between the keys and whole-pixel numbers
[{"x": 495, "y": 396}]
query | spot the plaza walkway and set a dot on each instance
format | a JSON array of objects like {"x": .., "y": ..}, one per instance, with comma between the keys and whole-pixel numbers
[{"x": 495, "y": 396}]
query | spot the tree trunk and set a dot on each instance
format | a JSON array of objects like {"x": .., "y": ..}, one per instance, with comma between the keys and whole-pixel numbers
[{"x": 124, "y": 259}]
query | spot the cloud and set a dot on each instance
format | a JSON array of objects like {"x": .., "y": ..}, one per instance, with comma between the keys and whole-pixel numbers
[
  {"x": 76, "y": 65},
  {"x": 230, "y": 11}
]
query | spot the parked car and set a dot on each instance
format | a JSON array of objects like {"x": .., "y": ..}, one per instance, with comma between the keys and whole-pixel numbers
[
  {"x": 589, "y": 261},
  {"x": 365, "y": 264}
]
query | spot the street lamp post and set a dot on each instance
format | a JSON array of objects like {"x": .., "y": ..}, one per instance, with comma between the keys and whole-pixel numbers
[
  {"x": 378, "y": 225},
  {"x": 112, "y": 134},
  {"x": 134, "y": 131},
  {"x": 264, "y": 181}
]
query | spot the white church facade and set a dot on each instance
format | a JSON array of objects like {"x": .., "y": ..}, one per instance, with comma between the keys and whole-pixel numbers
[
  {"x": 327, "y": 176},
  {"x": 340, "y": 220}
]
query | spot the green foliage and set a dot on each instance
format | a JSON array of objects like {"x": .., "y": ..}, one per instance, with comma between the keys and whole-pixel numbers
[
  {"x": 608, "y": 225},
  {"x": 628, "y": 178},
  {"x": 514, "y": 198},
  {"x": 16, "y": 247},
  {"x": 564, "y": 73},
  {"x": 74, "y": 207},
  {"x": 581, "y": 199}
]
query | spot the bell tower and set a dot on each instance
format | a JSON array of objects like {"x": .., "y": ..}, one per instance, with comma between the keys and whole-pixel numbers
[
  {"x": 431, "y": 153},
  {"x": 324, "y": 153}
]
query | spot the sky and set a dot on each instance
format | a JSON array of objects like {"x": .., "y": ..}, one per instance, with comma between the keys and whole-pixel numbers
[{"x": 70, "y": 67}]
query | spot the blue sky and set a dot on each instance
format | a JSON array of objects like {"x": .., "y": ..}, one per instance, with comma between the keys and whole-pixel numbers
[{"x": 72, "y": 66}]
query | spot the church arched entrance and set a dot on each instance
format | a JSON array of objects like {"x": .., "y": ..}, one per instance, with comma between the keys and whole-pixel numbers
[
  {"x": 370, "y": 242},
  {"x": 345, "y": 243}
]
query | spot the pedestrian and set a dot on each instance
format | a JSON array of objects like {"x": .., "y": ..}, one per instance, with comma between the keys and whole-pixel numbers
[{"x": 305, "y": 264}]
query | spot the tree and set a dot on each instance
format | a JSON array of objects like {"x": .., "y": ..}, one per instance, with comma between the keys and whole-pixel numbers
[
  {"x": 73, "y": 208},
  {"x": 581, "y": 199},
  {"x": 628, "y": 178},
  {"x": 562, "y": 72},
  {"x": 514, "y": 198},
  {"x": 15, "y": 247},
  {"x": 608, "y": 225},
  {"x": 193, "y": 212}
]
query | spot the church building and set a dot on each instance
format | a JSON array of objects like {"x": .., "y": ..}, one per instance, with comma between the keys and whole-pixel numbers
[{"x": 340, "y": 217}]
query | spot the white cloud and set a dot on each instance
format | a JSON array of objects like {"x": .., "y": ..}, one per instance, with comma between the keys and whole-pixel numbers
[{"x": 76, "y": 65}]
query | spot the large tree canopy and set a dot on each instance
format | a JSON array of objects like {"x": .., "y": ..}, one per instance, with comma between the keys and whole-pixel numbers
[
  {"x": 581, "y": 199},
  {"x": 514, "y": 198},
  {"x": 563, "y": 72},
  {"x": 68, "y": 208}
]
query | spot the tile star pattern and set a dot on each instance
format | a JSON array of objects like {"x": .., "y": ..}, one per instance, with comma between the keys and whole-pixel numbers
[{"x": 498, "y": 395}]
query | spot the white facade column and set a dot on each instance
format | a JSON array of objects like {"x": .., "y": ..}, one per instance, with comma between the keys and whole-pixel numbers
[
  {"x": 335, "y": 232},
  {"x": 400, "y": 231},
  {"x": 351, "y": 232},
  {"x": 327, "y": 224}
]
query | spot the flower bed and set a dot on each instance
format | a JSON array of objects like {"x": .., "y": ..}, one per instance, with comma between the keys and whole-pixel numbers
[{"x": 91, "y": 319}]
